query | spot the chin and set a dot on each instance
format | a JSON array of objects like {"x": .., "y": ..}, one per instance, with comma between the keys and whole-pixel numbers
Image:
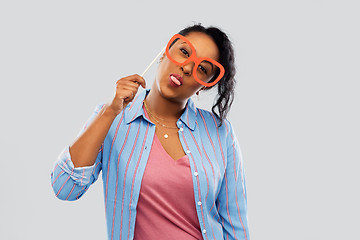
[{"x": 168, "y": 92}]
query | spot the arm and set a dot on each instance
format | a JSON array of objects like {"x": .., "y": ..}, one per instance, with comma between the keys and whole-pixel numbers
[
  {"x": 79, "y": 165},
  {"x": 87, "y": 145},
  {"x": 232, "y": 198}
]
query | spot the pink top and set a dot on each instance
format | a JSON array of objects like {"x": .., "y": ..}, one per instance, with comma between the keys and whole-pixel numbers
[{"x": 166, "y": 206}]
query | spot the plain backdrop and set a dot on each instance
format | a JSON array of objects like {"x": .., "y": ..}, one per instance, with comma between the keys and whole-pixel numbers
[{"x": 296, "y": 109}]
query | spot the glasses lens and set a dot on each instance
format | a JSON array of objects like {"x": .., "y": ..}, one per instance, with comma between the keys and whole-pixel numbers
[
  {"x": 179, "y": 51},
  {"x": 205, "y": 71}
]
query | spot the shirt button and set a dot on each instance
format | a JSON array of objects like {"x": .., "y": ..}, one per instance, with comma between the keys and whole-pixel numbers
[
  {"x": 199, "y": 203},
  {"x": 195, "y": 174},
  {"x": 204, "y": 231},
  {"x": 179, "y": 122},
  {"x": 188, "y": 151},
  {"x": 181, "y": 129}
]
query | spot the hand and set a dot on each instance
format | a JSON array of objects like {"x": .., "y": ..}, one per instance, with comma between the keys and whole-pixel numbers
[{"x": 126, "y": 89}]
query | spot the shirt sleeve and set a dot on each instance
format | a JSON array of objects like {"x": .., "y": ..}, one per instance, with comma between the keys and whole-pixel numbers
[
  {"x": 71, "y": 183},
  {"x": 232, "y": 198}
]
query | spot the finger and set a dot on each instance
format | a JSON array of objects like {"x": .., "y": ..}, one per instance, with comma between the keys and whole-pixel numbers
[
  {"x": 129, "y": 84},
  {"x": 126, "y": 96},
  {"x": 140, "y": 80},
  {"x": 127, "y": 87},
  {"x": 127, "y": 91},
  {"x": 130, "y": 88},
  {"x": 137, "y": 78}
]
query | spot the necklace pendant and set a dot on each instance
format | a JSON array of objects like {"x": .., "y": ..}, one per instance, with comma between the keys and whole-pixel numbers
[{"x": 166, "y": 136}]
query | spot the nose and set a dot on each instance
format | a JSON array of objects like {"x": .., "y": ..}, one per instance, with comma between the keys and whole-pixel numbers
[{"x": 188, "y": 68}]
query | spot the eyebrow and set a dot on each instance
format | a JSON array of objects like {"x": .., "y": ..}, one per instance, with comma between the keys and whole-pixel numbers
[{"x": 212, "y": 66}]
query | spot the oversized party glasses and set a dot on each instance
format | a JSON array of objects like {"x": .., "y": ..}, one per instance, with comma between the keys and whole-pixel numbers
[{"x": 180, "y": 51}]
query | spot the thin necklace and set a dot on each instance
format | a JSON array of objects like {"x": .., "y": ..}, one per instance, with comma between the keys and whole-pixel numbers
[
  {"x": 154, "y": 117},
  {"x": 152, "y": 114},
  {"x": 164, "y": 132}
]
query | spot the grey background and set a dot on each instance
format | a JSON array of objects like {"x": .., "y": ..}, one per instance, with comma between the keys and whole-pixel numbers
[{"x": 296, "y": 111}]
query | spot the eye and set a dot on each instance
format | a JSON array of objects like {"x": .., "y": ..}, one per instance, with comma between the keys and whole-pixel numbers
[
  {"x": 184, "y": 51},
  {"x": 203, "y": 69}
]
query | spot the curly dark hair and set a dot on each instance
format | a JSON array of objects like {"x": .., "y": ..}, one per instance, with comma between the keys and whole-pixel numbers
[{"x": 226, "y": 85}]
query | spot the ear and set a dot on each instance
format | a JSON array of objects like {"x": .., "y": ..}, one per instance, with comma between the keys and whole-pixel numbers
[
  {"x": 202, "y": 88},
  {"x": 161, "y": 58}
]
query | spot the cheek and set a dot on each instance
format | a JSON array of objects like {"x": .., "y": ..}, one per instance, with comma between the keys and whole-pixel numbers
[{"x": 165, "y": 65}]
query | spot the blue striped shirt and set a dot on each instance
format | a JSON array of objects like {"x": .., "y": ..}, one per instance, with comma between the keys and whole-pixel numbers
[{"x": 215, "y": 161}]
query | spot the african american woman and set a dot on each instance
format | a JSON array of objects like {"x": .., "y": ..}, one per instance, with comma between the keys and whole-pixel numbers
[{"x": 170, "y": 170}]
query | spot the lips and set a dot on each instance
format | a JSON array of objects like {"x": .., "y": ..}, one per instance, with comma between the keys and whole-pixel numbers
[{"x": 176, "y": 79}]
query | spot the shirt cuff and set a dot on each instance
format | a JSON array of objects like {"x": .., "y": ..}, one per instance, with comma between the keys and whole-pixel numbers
[{"x": 80, "y": 175}]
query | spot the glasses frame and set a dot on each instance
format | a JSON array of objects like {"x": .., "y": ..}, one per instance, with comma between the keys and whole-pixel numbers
[{"x": 197, "y": 60}]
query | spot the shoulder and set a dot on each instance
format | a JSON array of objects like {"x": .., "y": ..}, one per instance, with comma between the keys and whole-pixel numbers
[{"x": 212, "y": 121}]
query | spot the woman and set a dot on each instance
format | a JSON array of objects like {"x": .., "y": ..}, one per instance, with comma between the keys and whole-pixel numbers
[{"x": 170, "y": 170}]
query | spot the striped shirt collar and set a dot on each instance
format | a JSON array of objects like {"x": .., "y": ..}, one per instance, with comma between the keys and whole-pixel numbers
[{"x": 134, "y": 110}]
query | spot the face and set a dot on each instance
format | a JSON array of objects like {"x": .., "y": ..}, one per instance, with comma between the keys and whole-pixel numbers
[{"x": 205, "y": 47}]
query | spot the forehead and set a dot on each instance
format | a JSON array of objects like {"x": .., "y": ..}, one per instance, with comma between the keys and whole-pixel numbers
[{"x": 204, "y": 45}]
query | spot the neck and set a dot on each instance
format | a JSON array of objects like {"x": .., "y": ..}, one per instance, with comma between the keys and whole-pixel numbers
[{"x": 162, "y": 107}]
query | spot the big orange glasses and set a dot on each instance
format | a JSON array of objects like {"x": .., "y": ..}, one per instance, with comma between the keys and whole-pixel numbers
[{"x": 180, "y": 51}]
